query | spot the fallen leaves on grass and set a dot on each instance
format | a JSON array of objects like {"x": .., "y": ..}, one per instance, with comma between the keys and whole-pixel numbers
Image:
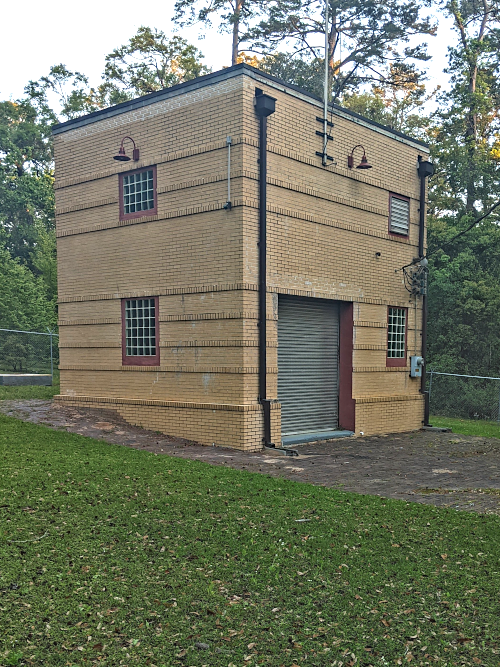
[{"x": 166, "y": 539}]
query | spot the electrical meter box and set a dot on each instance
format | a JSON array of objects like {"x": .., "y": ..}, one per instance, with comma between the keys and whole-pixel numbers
[{"x": 416, "y": 366}]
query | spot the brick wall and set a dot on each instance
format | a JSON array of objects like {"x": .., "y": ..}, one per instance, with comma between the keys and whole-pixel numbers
[{"x": 325, "y": 227}]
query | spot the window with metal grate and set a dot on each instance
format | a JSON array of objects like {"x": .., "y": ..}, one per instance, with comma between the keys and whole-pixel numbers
[
  {"x": 138, "y": 193},
  {"x": 396, "y": 336},
  {"x": 140, "y": 332}
]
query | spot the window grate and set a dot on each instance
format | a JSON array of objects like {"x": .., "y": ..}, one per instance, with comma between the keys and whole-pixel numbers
[
  {"x": 399, "y": 222},
  {"x": 396, "y": 340},
  {"x": 140, "y": 328},
  {"x": 138, "y": 192}
]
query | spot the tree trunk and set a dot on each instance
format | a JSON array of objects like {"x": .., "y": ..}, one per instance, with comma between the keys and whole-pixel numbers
[
  {"x": 333, "y": 69},
  {"x": 471, "y": 140},
  {"x": 236, "y": 32}
]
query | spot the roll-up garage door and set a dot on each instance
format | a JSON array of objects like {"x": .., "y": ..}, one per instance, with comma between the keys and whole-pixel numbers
[{"x": 308, "y": 344}]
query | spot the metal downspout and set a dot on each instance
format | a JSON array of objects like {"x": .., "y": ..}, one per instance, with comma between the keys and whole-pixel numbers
[
  {"x": 425, "y": 169},
  {"x": 264, "y": 107}
]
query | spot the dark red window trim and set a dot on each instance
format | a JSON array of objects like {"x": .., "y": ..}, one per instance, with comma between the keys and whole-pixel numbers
[
  {"x": 393, "y": 233},
  {"x": 141, "y": 361},
  {"x": 347, "y": 404},
  {"x": 400, "y": 362},
  {"x": 138, "y": 214}
]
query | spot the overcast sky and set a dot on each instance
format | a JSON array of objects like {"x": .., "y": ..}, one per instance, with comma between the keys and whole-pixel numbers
[{"x": 36, "y": 36}]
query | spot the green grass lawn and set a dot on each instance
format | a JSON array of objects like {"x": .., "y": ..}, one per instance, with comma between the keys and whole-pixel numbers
[
  {"x": 485, "y": 429},
  {"x": 113, "y": 556},
  {"x": 20, "y": 393}
]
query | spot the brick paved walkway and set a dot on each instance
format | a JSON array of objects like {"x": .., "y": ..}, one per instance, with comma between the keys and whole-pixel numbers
[{"x": 443, "y": 469}]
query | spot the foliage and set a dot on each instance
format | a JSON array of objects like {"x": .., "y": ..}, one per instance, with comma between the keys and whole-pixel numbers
[
  {"x": 26, "y": 178},
  {"x": 464, "y": 397},
  {"x": 364, "y": 38},
  {"x": 472, "y": 105},
  {"x": 397, "y": 103},
  {"x": 307, "y": 73},
  {"x": 167, "y": 560},
  {"x": 44, "y": 261},
  {"x": 464, "y": 285},
  {"x": 23, "y": 297},
  {"x": 14, "y": 354},
  {"x": 234, "y": 15},
  {"x": 68, "y": 89},
  {"x": 464, "y": 301},
  {"x": 149, "y": 62}
]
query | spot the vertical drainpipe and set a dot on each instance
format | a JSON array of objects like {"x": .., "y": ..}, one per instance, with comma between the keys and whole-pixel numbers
[
  {"x": 264, "y": 107},
  {"x": 425, "y": 169}
]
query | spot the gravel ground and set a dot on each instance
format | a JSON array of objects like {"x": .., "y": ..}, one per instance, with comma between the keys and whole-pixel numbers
[{"x": 442, "y": 469}]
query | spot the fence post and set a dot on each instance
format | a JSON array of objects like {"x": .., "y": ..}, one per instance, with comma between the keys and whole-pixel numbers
[
  {"x": 51, "y": 359},
  {"x": 430, "y": 385},
  {"x": 498, "y": 416}
]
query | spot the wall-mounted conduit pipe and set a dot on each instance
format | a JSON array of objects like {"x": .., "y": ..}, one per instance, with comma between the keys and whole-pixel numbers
[
  {"x": 228, "y": 204},
  {"x": 264, "y": 107},
  {"x": 425, "y": 170}
]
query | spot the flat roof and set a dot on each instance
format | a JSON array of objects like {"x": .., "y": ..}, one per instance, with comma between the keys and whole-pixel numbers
[{"x": 223, "y": 75}]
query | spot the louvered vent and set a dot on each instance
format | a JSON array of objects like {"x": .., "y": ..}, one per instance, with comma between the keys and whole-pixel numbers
[{"x": 400, "y": 216}]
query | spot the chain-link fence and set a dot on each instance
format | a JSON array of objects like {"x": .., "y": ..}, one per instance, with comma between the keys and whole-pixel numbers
[
  {"x": 464, "y": 396},
  {"x": 28, "y": 351}
]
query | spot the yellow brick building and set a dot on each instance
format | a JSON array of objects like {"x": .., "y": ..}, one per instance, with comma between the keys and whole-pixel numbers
[{"x": 159, "y": 274}]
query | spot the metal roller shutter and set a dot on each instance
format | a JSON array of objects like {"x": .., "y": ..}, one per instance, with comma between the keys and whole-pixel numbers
[{"x": 308, "y": 344}]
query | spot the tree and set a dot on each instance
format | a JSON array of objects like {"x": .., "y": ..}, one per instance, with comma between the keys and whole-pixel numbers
[
  {"x": 471, "y": 109},
  {"x": 464, "y": 281},
  {"x": 149, "y": 62},
  {"x": 26, "y": 177},
  {"x": 28, "y": 276},
  {"x": 44, "y": 261},
  {"x": 70, "y": 89},
  {"x": 305, "y": 72},
  {"x": 397, "y": 103},
  {"x": 464, "y": 302},
  {"x": 233, "y": 15},
  {"x": 364, "y": 37},
  {"x": 23, "y": 299}
]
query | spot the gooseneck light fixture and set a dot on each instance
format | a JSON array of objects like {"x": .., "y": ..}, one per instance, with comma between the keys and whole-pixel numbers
[
  {"x": 364, "y": 161},
  {"x": 122, "y": 155}
]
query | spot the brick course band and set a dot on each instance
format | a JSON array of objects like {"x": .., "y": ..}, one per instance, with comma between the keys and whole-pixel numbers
[
  {"x": 226, "y": 407},
  {"x": 202, "y": 289},
  {"x": 237, "y": 174},
  {"x": 249, "y": 203},
  {"x": 249, "y": 370},
  {"x": 388, "y": 399}
]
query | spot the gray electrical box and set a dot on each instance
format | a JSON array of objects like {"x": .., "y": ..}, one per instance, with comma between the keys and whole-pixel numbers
[{"x": 416, "y": 365}]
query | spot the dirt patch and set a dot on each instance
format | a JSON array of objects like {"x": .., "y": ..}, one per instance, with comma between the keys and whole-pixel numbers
[{"x": 443, "y": 469}]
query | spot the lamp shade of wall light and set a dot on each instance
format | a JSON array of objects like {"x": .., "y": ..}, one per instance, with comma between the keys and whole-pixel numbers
[
  {"x": 364, "y": 164},
  {"x": 122, "y": 155}
]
